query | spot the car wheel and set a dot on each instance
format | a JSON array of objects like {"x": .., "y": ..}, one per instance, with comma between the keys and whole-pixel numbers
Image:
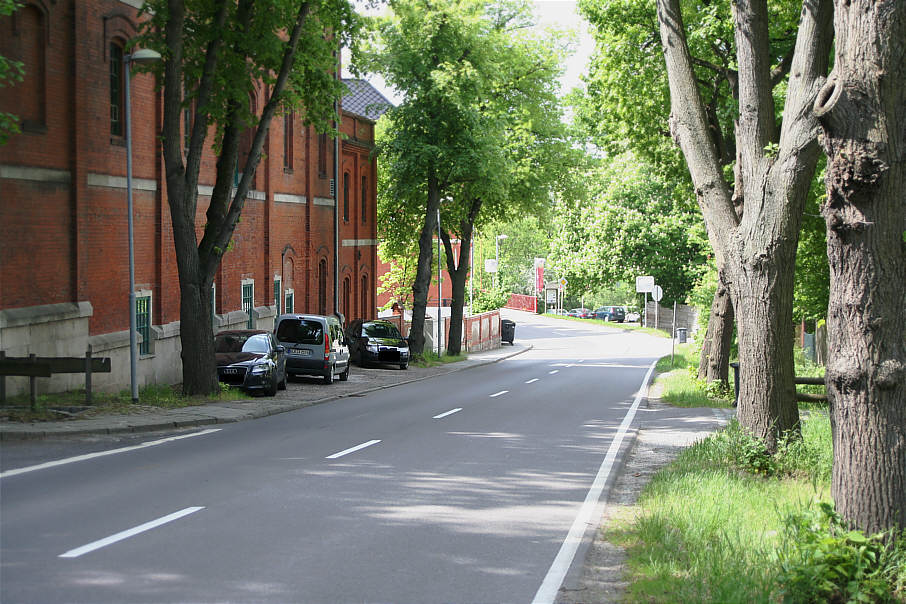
[
  {"x": 272, "y": 387},
  {"x": 345, "y": 375},
  {"x": 282, "y": 384},
  {"x": 328, "y": 379}
]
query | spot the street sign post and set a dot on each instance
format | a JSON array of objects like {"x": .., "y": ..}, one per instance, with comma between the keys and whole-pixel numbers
[{"x": 644, "y": 284}]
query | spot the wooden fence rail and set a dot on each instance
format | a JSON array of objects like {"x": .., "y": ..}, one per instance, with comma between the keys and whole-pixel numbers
[{"x": 34, "y": 367}]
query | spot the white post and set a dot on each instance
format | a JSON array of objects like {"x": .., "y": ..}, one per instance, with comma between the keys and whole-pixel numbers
[{"x": 439, "y": 284}]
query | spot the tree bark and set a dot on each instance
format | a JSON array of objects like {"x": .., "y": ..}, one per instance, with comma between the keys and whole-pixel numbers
[
  {"x": 714, "y": 364},
  {"x": 758, "y": 250},
  {"x": 459, "y": 273},
  {"x": 862, "y": 110},
  {"x": 423, "y": 269}
]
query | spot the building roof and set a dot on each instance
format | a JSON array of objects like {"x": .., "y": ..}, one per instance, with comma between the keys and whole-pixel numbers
[{"x": 364, "y": 100}]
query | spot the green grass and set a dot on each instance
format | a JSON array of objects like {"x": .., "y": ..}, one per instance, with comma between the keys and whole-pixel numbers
[
  {"x": 723, "y": 522},
  {"x": 61, "y": 405},
  {"x": 637, "y": 327},
  {"x": 431, "y": 359},
  {"x": 707, "y": 531}
]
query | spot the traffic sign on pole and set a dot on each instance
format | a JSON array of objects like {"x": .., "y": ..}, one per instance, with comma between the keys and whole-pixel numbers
[
  {"x": 644, "y": 284},
  {"x": 657, "y": 293}
]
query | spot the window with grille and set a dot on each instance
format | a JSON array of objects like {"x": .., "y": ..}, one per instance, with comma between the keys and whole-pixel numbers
[
  {"x": 277, "y": 294},
  {"x": 143, "y": 323},
  {"x": 288, "y": 301},
  {"x": 248, "y": 301}
]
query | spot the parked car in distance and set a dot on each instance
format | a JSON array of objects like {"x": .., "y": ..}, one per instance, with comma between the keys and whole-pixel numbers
[
  {"x": 377, "y": 341},
  {"x": 611, "y": 313},
  {"x": 582, "y": 313},
  {"x": 251, "y": 359},
  {"x": 558, "y": 311},
  {"x": 315, "y": 345},
  {"x": 633, "y": 317}
]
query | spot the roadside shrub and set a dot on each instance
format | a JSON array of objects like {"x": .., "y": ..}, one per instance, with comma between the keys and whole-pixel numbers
[
  {"x": 485, "y": 300},
  {"x": 822, "y": 561}
]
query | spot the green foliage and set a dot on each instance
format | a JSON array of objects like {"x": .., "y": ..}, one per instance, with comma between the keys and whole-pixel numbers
[
  {"x": 527, "y": 238},
  {"x": 821, "y": 560},
  {"x": 812, "y": 287},
  {"x": 632, "y": 222},
  {"x": 11, "y": 72},
  {"x": 489, "y": 299},
  {"x": 398, "y": 280}
]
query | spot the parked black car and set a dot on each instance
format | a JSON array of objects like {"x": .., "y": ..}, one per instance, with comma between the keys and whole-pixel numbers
[
  {"x": 377, "y": 342},
  {"x": 250, "y": 359},
  {"x": 611, "y": 313}
]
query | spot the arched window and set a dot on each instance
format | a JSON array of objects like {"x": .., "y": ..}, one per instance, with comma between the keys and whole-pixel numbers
[
  {"x": 322, "y": 287},
  {"x": 364, "y": 199},
  {"x": 347, "y": 312},
  {"x": 366, "y": 311},
  {"x": 117, "y": 89},
  {"x": 345, "y": 196}
]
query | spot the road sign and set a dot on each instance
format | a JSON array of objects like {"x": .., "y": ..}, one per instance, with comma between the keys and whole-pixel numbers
[
  {"x": 657, "y": 293},
  {"x": 563, "y": 282},
  {"x": 490, "y": 265},
  {"x": 644, "y": 284}
]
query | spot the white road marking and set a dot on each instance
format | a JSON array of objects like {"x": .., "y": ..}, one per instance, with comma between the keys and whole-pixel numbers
[
  {"x": 547, "y": 593},
  {"x": 554, "y": 371},
  {"x": 75, "y": 553},
  {"x": 352, "y": 449},
  {"x": 450, "y": 412},
  {"x": 496, "y": 394},
  {"x": 87, "y": 456},
  {"x": 532, "y": 381}
]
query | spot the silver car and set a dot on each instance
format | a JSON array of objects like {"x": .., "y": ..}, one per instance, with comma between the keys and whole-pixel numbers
[{"x": 315, "y": 345}]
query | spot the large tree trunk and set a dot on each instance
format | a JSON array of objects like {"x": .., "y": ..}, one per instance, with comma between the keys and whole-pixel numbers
[
  {"x": 862, "y": 109},
  {"x": 714, "y": 364},
  {"x": 759, "y": 250},
  {"x": 423, "y": 269}
]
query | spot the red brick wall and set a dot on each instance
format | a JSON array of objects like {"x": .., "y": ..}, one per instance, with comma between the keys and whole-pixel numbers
[{"x": 67, "y": 242}]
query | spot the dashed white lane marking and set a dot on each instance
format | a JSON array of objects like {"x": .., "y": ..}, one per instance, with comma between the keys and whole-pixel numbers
[
  {"x": 496, "y": 394},
  {"x": 87, "y": 456},
  {"x": 352, "y": 449},
  {"x": 554, "y": 371},
  {"x": 450, "y": 412},
  {"x": 95, "y": 545},
  {"x": 547, "y": 593},
  {"x": 532, "y": 381}
]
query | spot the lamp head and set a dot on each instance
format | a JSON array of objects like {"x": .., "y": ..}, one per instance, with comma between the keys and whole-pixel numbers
[{"x": 142, "y": 56}]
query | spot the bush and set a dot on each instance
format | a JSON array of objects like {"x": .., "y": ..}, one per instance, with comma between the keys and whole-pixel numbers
[
  {"x": 822, "y": 561},
  {"x": 485, "y": 300}
]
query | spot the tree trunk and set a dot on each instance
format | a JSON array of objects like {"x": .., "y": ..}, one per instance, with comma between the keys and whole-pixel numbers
[
  {"x": 196, "y": 334},
  {"x": 862, "y": 110},
  {"x": 759, "y": 250},
  {"x": 423, "y": 270},
  {"x": 715, "y": 358},
  {"x": 458, "y": 276}
]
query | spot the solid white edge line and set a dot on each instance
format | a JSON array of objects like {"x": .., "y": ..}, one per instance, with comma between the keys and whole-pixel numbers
[
  {"x": 496, "y": 394},
  {"x": 450, "y": 412},
  {"x": 554, "y": 371},
  {"x": 532, "y": 381},
  {"x": 75, "y": 553},
  {"x": 87, "y": 456},
  {"x": 352, "y": 449},
  {"x": 547, "y": 593}
]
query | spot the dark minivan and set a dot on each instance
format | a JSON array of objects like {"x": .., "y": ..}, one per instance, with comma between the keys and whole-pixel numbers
[
  {"x": 611, "y": 313},
  {"x": 315, "y": 345}
]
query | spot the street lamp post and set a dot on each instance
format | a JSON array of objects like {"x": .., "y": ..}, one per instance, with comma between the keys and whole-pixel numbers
[
  {"x": 497, "y": 256},
  {"x": 139, "y": 56},
  {"x": 439, "y": 285}
]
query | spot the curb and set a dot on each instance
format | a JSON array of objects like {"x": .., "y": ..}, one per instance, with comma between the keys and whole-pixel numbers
[{"x": 199, "y": 419}]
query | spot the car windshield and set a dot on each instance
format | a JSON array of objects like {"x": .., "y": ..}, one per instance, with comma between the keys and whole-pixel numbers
[
  {"x": 380, "y": 330},
  {"x": 237, "y": 342},
  {"x": 300, "y": 331}
]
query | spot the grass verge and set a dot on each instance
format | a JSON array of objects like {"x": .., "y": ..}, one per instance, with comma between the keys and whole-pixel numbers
[
  {"x": 431, "y": 359},
  {"x": 728, "y": 522},
  {"x": 71, "y": 404}
]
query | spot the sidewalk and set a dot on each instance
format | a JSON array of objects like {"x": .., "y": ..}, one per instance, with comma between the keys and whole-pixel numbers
[{"x": 303, "y": 392}]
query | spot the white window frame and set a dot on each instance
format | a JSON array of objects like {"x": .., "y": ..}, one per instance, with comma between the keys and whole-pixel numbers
[{"x": 251, "y": 309}]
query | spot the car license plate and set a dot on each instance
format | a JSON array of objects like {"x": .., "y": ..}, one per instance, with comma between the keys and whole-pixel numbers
[{"x": 302, "y": 352}]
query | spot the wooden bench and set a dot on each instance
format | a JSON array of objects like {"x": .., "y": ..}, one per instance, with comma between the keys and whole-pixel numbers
[{"x": 34, "y": 367}]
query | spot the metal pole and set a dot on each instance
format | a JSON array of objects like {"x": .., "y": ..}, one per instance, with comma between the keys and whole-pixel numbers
[
  {"x": 496, "y": 258},
  {"x": 133, "y": 353},
  {"x": 439, "y": 284},
  {"x": 471, "y": 268}
]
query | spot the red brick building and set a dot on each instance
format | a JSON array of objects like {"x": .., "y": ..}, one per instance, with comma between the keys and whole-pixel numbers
[{"x": 64, "y": 281}]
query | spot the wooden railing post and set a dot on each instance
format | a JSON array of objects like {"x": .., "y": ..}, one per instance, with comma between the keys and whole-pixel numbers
[{"x": 33, "y": 384}]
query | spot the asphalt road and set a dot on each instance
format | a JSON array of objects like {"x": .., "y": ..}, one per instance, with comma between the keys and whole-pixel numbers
[{"x": 461, "y": 488}]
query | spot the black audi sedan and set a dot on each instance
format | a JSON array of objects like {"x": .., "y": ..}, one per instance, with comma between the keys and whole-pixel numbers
[
  {"x": 377, "y": 342},
  {"x": 250, "y": 359}
]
